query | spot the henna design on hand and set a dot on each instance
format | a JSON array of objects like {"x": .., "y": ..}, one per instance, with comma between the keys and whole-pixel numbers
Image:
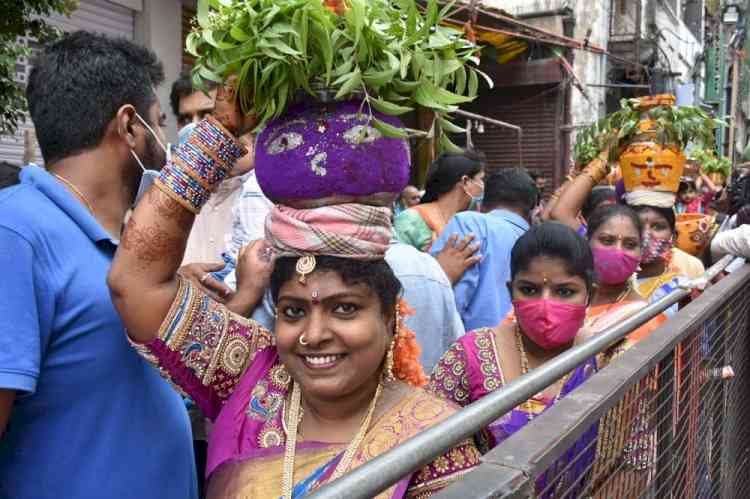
[
  {"x": 170, "y": 209},
  {"x": 149, "y": 243}
]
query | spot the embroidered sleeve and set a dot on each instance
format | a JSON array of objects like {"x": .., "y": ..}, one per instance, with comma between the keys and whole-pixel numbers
[
  {"x": 450, "y": 379},
  {"x": 203, "y": 349},
  {"x": 443, "y": 471}
]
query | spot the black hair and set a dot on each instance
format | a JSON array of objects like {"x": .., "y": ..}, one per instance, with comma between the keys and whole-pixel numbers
[
  {"x": 8, "y": 174},
  {"x": 512, "y": 187},
  {"x": 604, "y": 214},
  {"x": 183, "y": 87},
  {"x": 599, "y": 195},
  {"x": 79, "y": 82},
  {"x": 448, "y": 170},
  {"x": 739, "y": 193},
  {"x": 376, "y": 275},
  {"x": 685, "y": 186},
  {"x": 667, "y": 213},
  {"x": 554, "y": 240}
]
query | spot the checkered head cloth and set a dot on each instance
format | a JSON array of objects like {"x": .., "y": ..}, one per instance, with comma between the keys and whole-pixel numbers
[{"x": 354, "y": 231}]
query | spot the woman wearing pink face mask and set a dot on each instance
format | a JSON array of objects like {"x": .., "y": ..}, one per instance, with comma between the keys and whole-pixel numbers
[
  {"x": 616, "y": 243},
  {"x": 552, "y": 276},
  {"x": 555, "y": 305},
  {"x": 618, "y": 250}
]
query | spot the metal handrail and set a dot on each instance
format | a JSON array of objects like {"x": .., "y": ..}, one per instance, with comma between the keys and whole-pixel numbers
[
  {"x": 389, "y": 468},
  {"x": 511, "y": 469}
]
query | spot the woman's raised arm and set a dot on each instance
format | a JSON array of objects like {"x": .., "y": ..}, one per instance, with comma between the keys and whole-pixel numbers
[
  {"x": 574, "y": 196},
  {"x": 143, "y": 278}
]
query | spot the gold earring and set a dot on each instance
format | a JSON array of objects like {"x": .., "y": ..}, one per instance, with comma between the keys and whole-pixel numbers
[
  {"x": 388, "y": 375},
  {"x": 388, "y": 368}
]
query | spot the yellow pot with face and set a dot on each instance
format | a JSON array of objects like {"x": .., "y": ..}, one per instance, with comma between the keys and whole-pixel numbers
[
  {"x": 648, "y": 165},
  {"x": 693, "y": 232}
]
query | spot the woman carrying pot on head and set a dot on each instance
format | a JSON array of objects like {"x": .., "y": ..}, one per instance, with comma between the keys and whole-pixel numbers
[
  {"x": 587, "y": 199},
  {"x": 614, "y": 236},
  {"x": 334, "y": 385},
  {"x": 662, "y": 264},
  {"x": 455, "y": 182}
]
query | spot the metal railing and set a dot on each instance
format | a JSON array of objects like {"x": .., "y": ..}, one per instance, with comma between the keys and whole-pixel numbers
[
  {"x": 513, "y": 466},
  {"x": 667, "y": 421}
]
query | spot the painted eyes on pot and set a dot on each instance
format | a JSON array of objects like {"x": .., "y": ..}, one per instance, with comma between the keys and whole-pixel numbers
[{"x": 287, "y": 141}]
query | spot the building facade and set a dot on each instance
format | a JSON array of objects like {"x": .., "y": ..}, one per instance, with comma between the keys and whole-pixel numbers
[
  {"x": 156, "y": 24},
  {"x": 624, "y": 48}
]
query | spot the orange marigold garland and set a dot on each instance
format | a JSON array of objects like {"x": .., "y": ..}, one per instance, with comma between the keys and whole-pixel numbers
[{"x": 406, "y": 365}]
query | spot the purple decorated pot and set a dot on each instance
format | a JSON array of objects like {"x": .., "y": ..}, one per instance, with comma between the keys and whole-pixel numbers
[{"x": 319, "y": 151}]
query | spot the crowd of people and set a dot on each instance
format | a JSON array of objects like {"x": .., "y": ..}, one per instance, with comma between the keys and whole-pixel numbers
[{"x": 226, "y": 319}]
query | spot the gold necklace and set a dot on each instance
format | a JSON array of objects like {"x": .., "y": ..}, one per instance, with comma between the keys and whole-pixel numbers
[
  {"x": 75, "y": 191},
  {"x": 525, "y": 370},
  {"x": 287, "y": 479},
  {"x": 625, "y": 292}
]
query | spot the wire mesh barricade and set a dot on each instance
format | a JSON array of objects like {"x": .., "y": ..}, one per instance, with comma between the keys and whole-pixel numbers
[{"x": 664, "y": 419}]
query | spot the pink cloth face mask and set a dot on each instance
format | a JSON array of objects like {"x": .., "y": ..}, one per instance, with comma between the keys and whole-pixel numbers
[
  {"x": 613, "y": 266},
  {"x": 549, "y": 323}
]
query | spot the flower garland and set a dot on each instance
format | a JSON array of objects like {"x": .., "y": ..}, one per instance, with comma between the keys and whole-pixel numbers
[{"x": 406, "y": 365}]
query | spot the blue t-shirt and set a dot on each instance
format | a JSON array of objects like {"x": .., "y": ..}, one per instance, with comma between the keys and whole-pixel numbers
[
  {"x": 482, "y": 295},
  {"x": 91, "y": 419}
]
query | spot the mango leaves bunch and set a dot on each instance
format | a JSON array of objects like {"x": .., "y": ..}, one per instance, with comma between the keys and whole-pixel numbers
[
  {"x": 674, "y": 125},
  {"x": 710, "y": 163},
  {"x": 392, "y": 54}
]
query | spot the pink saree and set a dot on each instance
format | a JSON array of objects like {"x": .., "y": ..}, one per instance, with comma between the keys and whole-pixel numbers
[
  {"x": 230, "y": 368},
  {"x": 471, "y": 369}
]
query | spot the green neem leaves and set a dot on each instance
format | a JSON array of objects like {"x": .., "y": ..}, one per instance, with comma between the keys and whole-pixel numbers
[{"x": 389, "y": 53}]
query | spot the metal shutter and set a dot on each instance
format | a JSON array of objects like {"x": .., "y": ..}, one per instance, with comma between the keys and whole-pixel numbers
[
  {"x": 537, "y": 109},
  {"x": 100, "y": 16}
]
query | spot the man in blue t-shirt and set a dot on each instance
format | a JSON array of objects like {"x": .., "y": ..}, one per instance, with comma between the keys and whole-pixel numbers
[
  {"x": 482, "y": 294},
  {"x": 81, "y": 414}
]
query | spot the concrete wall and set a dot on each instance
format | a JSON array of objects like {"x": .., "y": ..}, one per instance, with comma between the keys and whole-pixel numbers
[
  {"x": 590, "y": 68},
  {"x": 680, "y": 49},
  {"x": 158, "y": 26}
]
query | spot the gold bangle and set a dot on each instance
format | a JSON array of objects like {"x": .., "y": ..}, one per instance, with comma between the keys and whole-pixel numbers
[{"x": 597, "y": 171}]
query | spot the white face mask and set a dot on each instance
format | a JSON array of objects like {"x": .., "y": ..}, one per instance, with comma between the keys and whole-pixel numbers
[
  {"x": 185, "y": 132},
  {"x": 149, "y": 176}
]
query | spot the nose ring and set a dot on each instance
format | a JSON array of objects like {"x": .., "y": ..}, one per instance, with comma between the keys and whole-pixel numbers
[{"x": 302, "y": 340}]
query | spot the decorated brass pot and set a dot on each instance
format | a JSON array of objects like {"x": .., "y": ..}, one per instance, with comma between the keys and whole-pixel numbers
[
  {"x": 693, "y": 232},
  {"x": 646, "y": 164}
]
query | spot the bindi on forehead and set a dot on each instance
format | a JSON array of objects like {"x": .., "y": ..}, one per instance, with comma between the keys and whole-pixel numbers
[{"x": 320, "y": 286}]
